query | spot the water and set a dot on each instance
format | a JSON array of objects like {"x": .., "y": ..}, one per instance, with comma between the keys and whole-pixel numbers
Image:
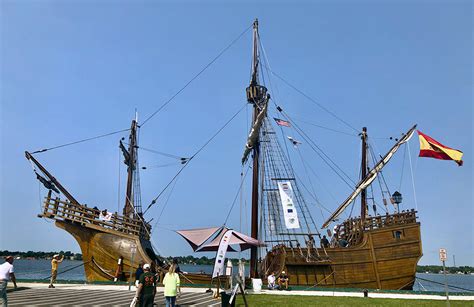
[{"x": 40, "y": 269}]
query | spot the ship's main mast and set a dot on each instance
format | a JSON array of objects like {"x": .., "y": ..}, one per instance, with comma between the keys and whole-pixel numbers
[{"x": 256, "y": 95}]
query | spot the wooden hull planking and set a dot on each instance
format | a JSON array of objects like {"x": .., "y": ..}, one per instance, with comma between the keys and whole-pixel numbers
[
  {"x": 102, "y": 249},
  {"x": 380, "y": 261}
]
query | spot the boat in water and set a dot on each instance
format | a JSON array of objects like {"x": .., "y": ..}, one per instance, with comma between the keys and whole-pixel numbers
[
  {"x": 374, "y": 250},
  {"x": 377, "y": 251},
  {"x": 112, "y": 244}
]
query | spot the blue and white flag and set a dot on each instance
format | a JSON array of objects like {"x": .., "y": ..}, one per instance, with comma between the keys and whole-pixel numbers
[{"x": 220, "y": 257}]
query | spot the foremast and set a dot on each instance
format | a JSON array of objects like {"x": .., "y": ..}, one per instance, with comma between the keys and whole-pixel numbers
[{"x": 132, "y": 205}]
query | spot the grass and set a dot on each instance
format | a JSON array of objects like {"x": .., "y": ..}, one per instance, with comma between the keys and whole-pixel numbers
[{"x": 298, "y": 300}]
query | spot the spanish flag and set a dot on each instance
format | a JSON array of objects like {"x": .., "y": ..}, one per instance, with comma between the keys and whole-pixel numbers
[{"x": 433, "y": 149}]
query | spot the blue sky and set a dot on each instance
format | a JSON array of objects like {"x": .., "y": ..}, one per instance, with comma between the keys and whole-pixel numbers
[{"x": 76, "y": 69}]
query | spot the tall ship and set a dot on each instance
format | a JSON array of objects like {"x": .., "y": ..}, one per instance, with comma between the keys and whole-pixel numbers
[
  {"x": 112, "y": 244},
  {"x": 379, "y": 250}
]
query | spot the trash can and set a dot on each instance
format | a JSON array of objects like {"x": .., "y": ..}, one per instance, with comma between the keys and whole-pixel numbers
[
  {"x": 225, "y": 298},
  {"x": 256, "y": 284}
]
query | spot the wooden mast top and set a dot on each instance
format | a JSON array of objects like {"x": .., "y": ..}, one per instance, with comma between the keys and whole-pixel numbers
[
  {"x": 128, "y": 209},
  {"x": 363, "y": 193}
]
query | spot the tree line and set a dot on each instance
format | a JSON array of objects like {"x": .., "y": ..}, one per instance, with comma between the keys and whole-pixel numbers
[
  {"x": 40, "y": 255},
  {"x": 438, "y": 268}
]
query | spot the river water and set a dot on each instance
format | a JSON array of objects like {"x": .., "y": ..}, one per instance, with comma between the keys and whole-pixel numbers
[{"x": 40, "y": 269}]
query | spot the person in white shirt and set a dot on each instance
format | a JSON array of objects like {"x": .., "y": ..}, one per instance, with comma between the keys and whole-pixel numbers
[
  {"x": 6, "y": 273},
  {"x": 271, "y": 281}
]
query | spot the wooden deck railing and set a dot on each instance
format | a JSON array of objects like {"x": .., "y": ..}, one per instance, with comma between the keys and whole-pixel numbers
[
  {"x": 351, "y": 229},
  {"x": 57, "y": 209}
]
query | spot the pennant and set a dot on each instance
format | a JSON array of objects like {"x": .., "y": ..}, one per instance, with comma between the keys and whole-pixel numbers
[
  {"x": 220, "y": 257},
  {"x": 431, "y": 148},
  {"x": 281, "y": 122},
  {"x": 293, "y": 141}
]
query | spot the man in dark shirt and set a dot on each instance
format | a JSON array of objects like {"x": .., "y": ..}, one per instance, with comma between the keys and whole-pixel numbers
[
  {"x": 283, "y": 281},
  {"x": 324, "y": 242},
  {"x": 146, "y": 289},
  {"x": 138, "y": 273}
]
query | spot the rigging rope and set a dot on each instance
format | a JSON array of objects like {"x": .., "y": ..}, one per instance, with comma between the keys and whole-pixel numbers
[
  {"x": 403, "y": 168},
  {"x": 80, "y": 141},
  {"x": 439, "y": 283},
  {"x": 161, "y": 153},
  {"x": 193, "y": 156},
  {"x": 164, "y": 206},
  {"x": 313, "y": 144},
  {"x": 236, "y": 195},
  {"x": 76, "y": 266},
  {"x": 412, "y": 177},
  {"x": 326, "y": 128},
  {"x": 312, "y": 100},
  {"x": 197, "y": 75}
]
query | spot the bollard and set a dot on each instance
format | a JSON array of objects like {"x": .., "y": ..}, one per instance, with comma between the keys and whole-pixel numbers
[{"x": 366, "y": 293}]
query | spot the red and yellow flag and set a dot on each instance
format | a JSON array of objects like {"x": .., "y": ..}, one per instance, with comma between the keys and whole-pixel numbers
[{"x": 433, "y": 149}]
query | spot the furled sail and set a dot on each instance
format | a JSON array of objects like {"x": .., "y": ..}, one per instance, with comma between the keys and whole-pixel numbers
[
  {"x": 253, "y": 136},
  {"x": 365, "y": 182}
]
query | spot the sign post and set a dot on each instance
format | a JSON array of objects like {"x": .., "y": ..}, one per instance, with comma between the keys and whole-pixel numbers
[
  {"x": 133, "y": 249},
  {"x": 443, "y": 256}
]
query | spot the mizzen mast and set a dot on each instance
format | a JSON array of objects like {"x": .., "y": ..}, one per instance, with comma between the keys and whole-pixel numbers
[{"x": 363, "y": 193}]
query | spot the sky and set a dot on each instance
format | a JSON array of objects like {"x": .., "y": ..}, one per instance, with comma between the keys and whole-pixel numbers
[{"x": 77, "y": 69}]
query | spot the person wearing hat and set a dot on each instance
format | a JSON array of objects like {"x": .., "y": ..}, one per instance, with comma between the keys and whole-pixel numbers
[
  {"x": 54, "y": 269},
  {"x": 6, "y": 273},
  {"x": 283, "y": 281},
  {"x": 146, "y": 289}
]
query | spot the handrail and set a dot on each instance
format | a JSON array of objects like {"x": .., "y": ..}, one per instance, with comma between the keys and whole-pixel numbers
[
  {"x": 64, "y": 210},
  {"x": 350, "y": 228}
]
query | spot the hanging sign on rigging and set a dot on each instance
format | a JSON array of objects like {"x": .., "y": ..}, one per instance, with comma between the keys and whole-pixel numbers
[{"x": 289, "y": 210}]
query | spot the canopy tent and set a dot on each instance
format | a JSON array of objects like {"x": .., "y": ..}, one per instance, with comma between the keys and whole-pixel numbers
[{"x": 208, "y": 239}]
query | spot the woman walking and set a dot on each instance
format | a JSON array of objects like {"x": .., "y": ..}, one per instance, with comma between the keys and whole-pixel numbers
[{"x": 171, "y": 283}]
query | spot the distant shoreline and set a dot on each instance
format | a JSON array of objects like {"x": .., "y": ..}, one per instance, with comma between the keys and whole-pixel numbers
[{"x": 191, "y": 260}]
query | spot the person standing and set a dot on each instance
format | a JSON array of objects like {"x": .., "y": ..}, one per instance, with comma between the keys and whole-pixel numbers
[
  {"x": 6, "y": 273},
  {"x": 54, "y": 269},
  {"x": 146, "y": 289},
  {"x": 324, "y": 242},
  {"x": 138, "y": 273},
  {"x": 172, "y": 286}
]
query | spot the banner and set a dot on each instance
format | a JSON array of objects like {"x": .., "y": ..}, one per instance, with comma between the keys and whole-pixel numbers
[
  {"x": 289, "y": 210},
  {"x": 220, "y": 256}
]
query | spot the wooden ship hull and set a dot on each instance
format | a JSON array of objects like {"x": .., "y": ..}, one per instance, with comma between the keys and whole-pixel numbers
[
  {"x": 384, "y": 258},
  {"x": 103, "y": 243}
]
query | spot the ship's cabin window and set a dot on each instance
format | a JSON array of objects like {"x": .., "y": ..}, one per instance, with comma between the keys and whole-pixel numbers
[{"x": 397, "y": 234}]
